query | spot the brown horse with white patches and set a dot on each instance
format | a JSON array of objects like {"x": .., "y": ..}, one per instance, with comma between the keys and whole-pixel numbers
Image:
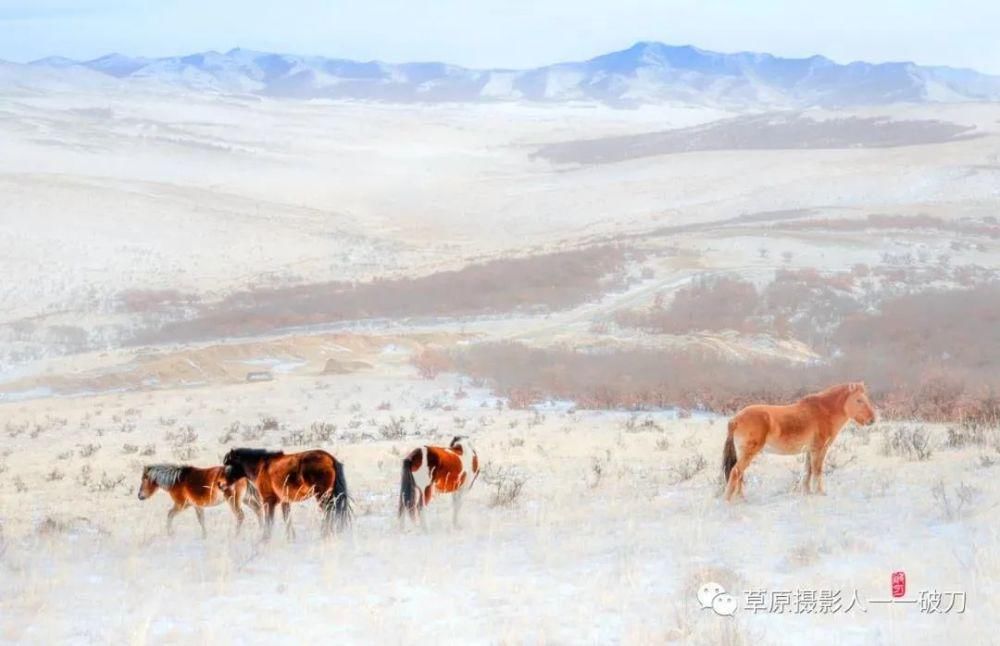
[
  {"x": 811, "y": 425},
  {"x": 286, "y": 478},
  {"x": 437, "y": 469},
  {"x": 193, "y": 487}
]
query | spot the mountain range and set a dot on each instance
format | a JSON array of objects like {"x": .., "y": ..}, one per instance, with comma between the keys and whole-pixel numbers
[{"x": 647, "y": 72}]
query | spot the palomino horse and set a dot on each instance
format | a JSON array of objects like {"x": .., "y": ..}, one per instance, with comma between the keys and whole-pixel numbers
[
  {"x": 191, "y": 486},
  {"x": 811, "y": 425},
  {"x": 438, "y": 469},
  {"x": 294, "y": 477}
]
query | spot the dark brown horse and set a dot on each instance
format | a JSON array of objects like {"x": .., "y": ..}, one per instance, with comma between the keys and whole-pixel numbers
[
  {"x": 284, "y": 479},
  {"x": 193, "y": 487},
  {"x": 437, "y": 469},
  {"x": 810, "y": 425}
]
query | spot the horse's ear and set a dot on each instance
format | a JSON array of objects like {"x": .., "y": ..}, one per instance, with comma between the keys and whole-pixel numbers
[{"x": 853, "y": 387}]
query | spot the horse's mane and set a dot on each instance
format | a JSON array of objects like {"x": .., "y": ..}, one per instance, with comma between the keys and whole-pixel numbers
[
  {"x": 254, "y": 453},
  {"x": 829, "y": 395},
  {"x": 165, "y": 475}
]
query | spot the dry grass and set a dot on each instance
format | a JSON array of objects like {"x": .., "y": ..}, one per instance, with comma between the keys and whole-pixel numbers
[
  {"x": 948, "y": 342},
  {"x": 561, "y": 493},
  {"x": 758, "y": 132},
  {"x": 534, "y": 283}
]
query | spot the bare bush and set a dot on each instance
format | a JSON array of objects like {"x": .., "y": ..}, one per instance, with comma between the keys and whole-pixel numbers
[
  {"x": 107, "y": 483},
  {"x": 910, "y": 442},
  {"x": 83, "y": 478},
  {"x": 549, "y": 281},
  {"x": 185, "y": 453},
  {"x": 318, "y": 433},
  {"x": 182, "y": 437},
  {"x": 598, "y": 467},
  {"x": 689, "y": 467},
  {"x": 506, "y": 485},
  {"x": 838, "y": 459},
  {"x": 709, "y": 303},
  {"x": 974, "y": 432},
  {"x": 953, "y": 504},
  {"x": 394, "y": 429},
  {"x": 932, "y": 356}
]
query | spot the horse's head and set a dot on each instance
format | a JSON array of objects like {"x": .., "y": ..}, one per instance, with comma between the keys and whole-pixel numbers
[
  {"x": 148, "y": 486},
  {"x": 460, "y": 442},
  {"x": 233, "y": 469},
  {"x": 857, "y": 406}
]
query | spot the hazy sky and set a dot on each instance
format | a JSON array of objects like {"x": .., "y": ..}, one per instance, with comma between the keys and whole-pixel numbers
[{"x": 506, "y": 33}]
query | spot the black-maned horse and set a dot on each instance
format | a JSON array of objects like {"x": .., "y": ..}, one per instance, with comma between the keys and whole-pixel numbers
[{"x": 293, "y": 477}]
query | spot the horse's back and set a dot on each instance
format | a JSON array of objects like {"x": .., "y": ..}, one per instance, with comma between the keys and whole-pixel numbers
[
  {"x": 298, "y": 475},
  {"x": 756, "y": 415},
  {"x": 449, "y": 468},
  {"x": 201, "y": 485}
]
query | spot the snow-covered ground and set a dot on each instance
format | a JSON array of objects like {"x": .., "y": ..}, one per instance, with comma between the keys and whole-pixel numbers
[
  {"x": 617, "y": 526},
  {"x": 115, "y": 199}
]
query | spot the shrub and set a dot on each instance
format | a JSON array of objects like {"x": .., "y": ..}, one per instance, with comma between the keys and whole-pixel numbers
[
  {"x": 909, "y": 442},
  {"x": 550, "y": 281},
  {"x": 689, "y": 467},
  {"x": 506, "y": 485},
  {"x": 430, "y": 363},
  {"x": 953, "y": 504},
  {"x": 393, "y": 429}
]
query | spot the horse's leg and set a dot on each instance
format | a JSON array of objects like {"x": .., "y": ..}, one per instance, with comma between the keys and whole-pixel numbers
[
  {"x": 201, "y": 520},
  {"x": 808, "y": 477},
  {"x": 747, "y": 451},
  {"x": 234, "y": 504},
  {"x": 269, "y": 518},
  {"x": 176, "y": 509},
  {"x": 415, "y": 508},
  {"x": 286, "y": 515},
  {"x": 255, "y": 505},
  {"x": 818, "y": 455},
  {"x": 328, "y": 505},
  {"x": 425, "y": 499},
  {"x": 456, "y": 508}
]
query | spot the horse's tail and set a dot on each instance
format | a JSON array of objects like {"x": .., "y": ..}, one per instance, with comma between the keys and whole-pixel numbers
[
  {"x": 407, "y": 487},
  {"x": 729, "y": 453},
  {"x": 343, "y": 511}
]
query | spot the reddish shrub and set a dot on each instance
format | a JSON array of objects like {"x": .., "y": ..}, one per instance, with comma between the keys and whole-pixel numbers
[
  {"x": 430, "y": 363},
  {"x": 543, "y": 282}
]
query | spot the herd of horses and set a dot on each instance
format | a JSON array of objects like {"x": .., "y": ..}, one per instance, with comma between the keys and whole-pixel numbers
[{"x": 266, "y": 479}]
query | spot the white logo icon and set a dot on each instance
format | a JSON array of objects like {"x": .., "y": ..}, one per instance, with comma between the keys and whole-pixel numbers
[{"x": 714, "y": 596}]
